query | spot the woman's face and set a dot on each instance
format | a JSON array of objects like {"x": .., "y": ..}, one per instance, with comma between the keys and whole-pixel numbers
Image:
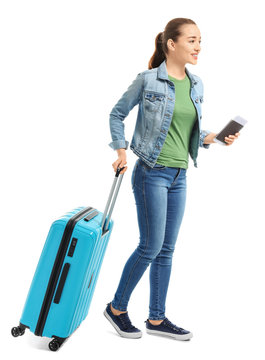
[{"x": 187, "y": 46}]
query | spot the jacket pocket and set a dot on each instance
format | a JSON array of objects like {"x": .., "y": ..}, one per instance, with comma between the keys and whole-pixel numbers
[
  {"x": 153, "y": 105},
  {"x": 153, "y": 97},
  {"x": 153, "y": 102}
]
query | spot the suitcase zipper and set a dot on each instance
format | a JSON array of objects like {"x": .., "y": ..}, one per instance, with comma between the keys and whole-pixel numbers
[{"x": 58, "y": 263}]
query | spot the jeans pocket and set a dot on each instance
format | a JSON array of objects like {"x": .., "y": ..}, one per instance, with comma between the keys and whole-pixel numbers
[
  {"x": 147, "y": 167},
  {"x": 158, "y": 167}
]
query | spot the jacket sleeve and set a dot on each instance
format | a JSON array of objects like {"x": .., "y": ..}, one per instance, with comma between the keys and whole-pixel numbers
[
  {"x": 129, "y": 99},
  {"x": 203, "y": 133}
]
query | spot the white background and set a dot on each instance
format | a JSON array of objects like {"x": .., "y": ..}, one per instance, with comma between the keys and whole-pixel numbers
[{"x": 64, "y": 65}]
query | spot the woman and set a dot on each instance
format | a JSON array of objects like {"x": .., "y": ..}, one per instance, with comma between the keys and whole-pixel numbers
[{"x": 167, "y": 131}]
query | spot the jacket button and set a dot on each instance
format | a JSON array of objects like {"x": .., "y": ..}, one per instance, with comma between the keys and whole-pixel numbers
[{"x": 197, "y": 100}]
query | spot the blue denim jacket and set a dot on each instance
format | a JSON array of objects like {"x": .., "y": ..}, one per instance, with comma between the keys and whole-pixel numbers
[{"x": 155, "y": 94}]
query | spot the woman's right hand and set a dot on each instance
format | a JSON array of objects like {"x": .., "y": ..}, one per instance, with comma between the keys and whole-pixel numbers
[{"x": 121, "y": 161}]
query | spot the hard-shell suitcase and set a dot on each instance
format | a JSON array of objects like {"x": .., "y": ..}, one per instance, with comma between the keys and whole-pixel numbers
[{"x": 66, "y": 275}]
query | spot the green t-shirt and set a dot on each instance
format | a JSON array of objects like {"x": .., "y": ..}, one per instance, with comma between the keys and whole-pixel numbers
[{"x": 175, "y": 151}]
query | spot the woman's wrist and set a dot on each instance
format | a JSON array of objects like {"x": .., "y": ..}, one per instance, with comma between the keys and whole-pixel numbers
[
  {"x": 209, "y": 138},
  {"x": 121, "y": 151}
]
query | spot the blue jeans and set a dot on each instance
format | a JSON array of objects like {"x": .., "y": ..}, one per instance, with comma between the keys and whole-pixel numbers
[{"x": 160, "y": 195}]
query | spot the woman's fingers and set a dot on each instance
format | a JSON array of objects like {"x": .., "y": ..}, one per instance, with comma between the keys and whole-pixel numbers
[
  {"x": 120, "y": 163},
  {"x": 123, "y": 171},
  {"x": 230, "y": 139}
]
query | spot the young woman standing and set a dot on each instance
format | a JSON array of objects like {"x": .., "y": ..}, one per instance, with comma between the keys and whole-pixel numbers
[{"x": 167, "y": 131}]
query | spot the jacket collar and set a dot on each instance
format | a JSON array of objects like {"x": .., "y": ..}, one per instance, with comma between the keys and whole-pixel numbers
[{"x": 162, "y": 73}]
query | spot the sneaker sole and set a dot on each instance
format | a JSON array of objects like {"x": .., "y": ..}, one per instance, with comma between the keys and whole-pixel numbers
[
  {"x": 177, "y": 337},
  {"x": 120, "y": 332}
]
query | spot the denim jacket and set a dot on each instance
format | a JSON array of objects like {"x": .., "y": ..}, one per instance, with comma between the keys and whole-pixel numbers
[{"x": 155, "y": 94}]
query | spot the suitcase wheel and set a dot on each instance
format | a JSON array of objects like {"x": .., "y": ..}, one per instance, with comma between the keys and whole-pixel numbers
[
  {"x": 54, "y": 345},
  {"x": 17, "y": 331}
]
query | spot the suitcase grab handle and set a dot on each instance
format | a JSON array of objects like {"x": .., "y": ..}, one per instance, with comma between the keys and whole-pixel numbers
[
  {"x": 118, "y": 171},
  {"x": 112, "y": 197}
]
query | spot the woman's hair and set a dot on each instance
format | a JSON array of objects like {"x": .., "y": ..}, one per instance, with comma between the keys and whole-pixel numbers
[{"x": 172, "y": 31}]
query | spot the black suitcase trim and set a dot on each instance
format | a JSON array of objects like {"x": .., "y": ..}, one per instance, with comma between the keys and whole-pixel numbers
[{"x": 60, "y": 287}]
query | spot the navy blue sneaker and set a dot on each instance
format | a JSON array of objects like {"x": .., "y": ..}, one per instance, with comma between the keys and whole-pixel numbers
[
  {"x": 122, "y": 324},
  {"x": 168, "y": 329}
]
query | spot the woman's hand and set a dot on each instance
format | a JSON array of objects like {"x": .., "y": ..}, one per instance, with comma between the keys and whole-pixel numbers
[
  {"x": 231, "y": 138},
  {"x": 121, "y": 161},
  {"x": 209, "y": 139}
]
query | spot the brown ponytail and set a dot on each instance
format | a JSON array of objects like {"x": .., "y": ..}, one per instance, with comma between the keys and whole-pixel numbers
[{"x": 172, "y": 31}]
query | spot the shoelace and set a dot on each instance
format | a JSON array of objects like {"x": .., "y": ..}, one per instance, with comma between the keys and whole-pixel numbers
[
  {"x": 126, "y": 322},
  {"x": 172, "y": 326}
]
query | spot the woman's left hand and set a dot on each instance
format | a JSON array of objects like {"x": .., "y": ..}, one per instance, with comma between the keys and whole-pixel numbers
[{"x": 231, "y": 138}]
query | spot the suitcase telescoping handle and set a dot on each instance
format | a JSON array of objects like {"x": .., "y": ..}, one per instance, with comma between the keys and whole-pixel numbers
[{"x": 105, "y": 216}]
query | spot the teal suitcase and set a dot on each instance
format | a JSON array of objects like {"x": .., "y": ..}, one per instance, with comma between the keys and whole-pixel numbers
[{"x": 66, "y": 275}]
